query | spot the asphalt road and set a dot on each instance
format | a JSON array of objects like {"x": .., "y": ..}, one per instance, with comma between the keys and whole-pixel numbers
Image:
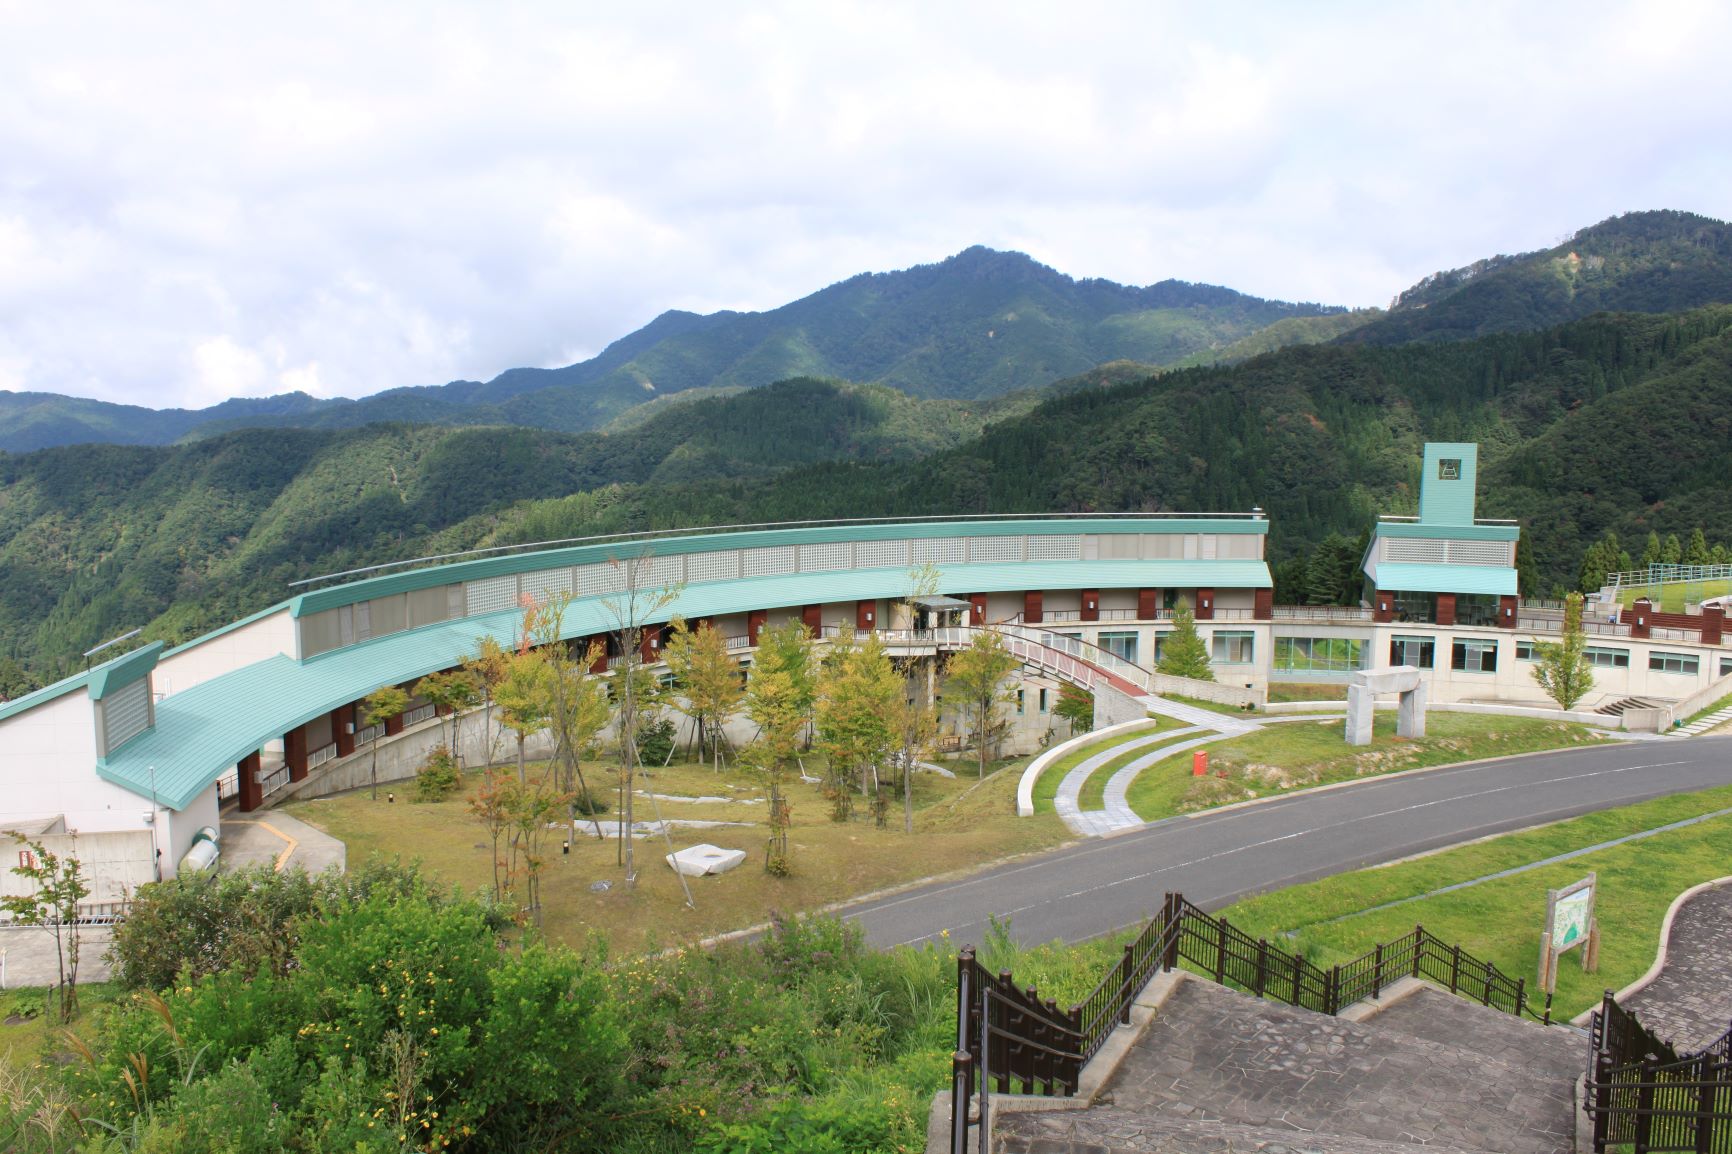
[{"x": 1215, "y": 858}]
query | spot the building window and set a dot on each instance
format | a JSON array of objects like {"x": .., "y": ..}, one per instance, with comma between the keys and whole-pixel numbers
[
  {"x": 1416, "y": 651},
  {"x": 1319, "y": 654},
  {"x": 1160, "y": 647},
  {"x": 1419, "y": 608},
  {"x": 1604, "y": 658},
  {"x": 1233, "y": 648},
  {"x": 1449, "y": 469},
  {"x": 1725, "y": 666},
  {"x": 1474, "y": 656},
  {"x": 1019, "y": 703},
  {"x": 1043, "y": 701},
  {"x": 1525, "y": 651},
  {"x": 1121, "y": 645},
  {"x": 1673, "y": 663}
]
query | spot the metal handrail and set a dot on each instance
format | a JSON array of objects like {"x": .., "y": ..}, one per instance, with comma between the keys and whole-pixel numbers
[{"x": 1640, "y": 1091}]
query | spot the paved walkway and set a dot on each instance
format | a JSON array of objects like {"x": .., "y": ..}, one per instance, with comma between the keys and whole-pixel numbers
[
  {"x": 1690, "y": 1003},
  {"x": 1066, "y": 800},
  {"x": 278, "y": 840}
]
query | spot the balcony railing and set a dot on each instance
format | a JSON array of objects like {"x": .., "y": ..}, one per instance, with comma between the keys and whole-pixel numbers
[{"x": 1321, "y": 613}]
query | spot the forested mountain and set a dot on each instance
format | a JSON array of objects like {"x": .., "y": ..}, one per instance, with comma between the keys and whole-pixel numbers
[
  {"x": 1617, "y": 422},
  {"x": 1650, "y": 262},
  {"x": 96, "y": 539},
  {"x": 980, "y": 324}
]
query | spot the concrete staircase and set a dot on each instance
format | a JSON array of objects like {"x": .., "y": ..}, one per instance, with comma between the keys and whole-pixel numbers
[{"x": 1224, "y": 1073}]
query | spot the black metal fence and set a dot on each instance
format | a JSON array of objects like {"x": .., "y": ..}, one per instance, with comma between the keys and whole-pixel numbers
[
  {"x": 1009, "y": 1040},
  {"x": 1644, "y": 1094}
]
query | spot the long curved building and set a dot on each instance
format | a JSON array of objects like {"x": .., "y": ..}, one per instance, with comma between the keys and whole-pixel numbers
[
  {"x": 138, "y": 754},
  {"x": 144, "y": 740}
]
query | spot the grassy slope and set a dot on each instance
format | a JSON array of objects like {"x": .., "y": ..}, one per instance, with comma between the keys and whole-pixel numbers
[
  {"x": 1501, "y": 920},
  {"x": 1300, "y": 754}
]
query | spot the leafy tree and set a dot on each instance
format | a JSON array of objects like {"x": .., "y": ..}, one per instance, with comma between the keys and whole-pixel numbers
[
  {"x": 1562, "y": 669},
  {"x": 377, "y": 708},
  {"x": 976, "y": 674},
  {"x": 58, "y": 886},
  {"x": 490, "y": 804},
  {"x": 708, "y": 678},
  {"x": 1183, "y": 653},
  {"x": 1719, "y": 555},
  {"x": 1696, "y": 552},
  {"x": 450, "y": 691},
  {"x": 636, "y": 605},
  {"x": 858, "y": 692},
  {"x": 1652, "y": 552},
  {"x": 791, "y": 648},
  {"x": 1672, "y": 552},
  {"x": 486, "y": 668},
  {"x": 1331, "y": 575},
  {"x": 1077, "y": 706},
  {"x": 773, "y": 703},
  {"x": 578, "y": 704},
  {"x": 525, "y": 697}
]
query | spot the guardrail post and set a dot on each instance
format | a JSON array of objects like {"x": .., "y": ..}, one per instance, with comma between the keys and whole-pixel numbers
[
  {"x": 1335, "y": 989},
  {"x": 1262, "y": 965},
  {"x": 1377, "y": 973},
  {"x": 1418, "y": 947},
  {"x": 1704, "y": 1119},
  {"x": 1221, "y": 952},
  {"x": 1455, "y": 968},
  {"x": 1521, "y": 996},
  {"x": 962, "y": 1060},
  {"x": 1127, "y": 971}
]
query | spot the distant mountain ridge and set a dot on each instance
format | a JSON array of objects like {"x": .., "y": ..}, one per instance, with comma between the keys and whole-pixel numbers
[
  {"x": 1641, "y": 262},
  {"x": 979, "y": 324}
]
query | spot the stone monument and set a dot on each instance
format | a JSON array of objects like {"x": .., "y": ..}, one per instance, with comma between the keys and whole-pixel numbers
[{"x": 1362, "y": 690}]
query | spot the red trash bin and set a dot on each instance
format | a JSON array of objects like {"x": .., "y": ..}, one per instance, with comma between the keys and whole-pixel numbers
[{"x": 1200, "y": 763}]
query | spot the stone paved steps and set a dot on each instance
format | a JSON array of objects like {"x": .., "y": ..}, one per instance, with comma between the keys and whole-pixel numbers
[
  {"x": 1439, "y": 1016},
  {"x": 1086, "y": 1132},
  {"x": 1717, "y": 718},
  {"x": 1212, "y": 1055}
]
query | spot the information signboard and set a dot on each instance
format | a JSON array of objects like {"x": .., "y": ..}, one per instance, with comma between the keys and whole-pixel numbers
[{"x": 1569, "y": 923}]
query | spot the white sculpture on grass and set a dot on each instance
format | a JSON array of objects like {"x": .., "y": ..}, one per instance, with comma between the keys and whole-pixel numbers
[
  {"x": 1362, "y": 690},
  {"x": 703, "y": 859}
]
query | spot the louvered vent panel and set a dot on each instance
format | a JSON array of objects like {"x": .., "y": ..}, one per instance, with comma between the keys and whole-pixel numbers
[
  {"x": 1413, "y": 551},
  {"x": 713, "y": 566},
  {"x": 126, "y": 712},
  {"x": 1479, "y": 553},
  {"x": 986, "y": 550},
  {"x": 597, "y": 580},
  {"x": 821, "y": 558},
  {"x": 769, "y": 562},
  {"x": 544, "y": 583},
  {"x": 881, "y": 554},
  {"x": 490, "y": 595},
  {"x": 1062, "y": 548},
  {"x": 939, "y": 550}
]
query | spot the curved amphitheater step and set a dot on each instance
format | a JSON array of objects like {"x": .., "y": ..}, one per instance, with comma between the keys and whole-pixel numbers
[
  {"x": 1087, "y": 1133},
  {"x": 1439, "y": 1016},
  {"x": 1212, "y": 1056}
]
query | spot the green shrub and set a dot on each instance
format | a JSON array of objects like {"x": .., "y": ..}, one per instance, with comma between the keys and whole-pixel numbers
[
  {"x": 590, "y": 804},
  {"x": 438, "y": 777},
  {"x": 655, "y": 742}
]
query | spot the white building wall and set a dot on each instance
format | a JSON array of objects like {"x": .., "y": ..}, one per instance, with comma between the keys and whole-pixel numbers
[
  {"x": 48, "y": 767},
  {"x": 266, "y": 637}
]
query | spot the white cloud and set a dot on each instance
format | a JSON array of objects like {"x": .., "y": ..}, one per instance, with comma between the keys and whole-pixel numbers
[{"x": 196, "y": 202}]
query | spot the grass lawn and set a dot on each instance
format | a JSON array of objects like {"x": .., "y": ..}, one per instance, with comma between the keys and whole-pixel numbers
[
  {"x": 1500, "y": 920},
  {"x": 1306, "y": 691},
  {"x": 959, "y": 823},
  {"x": 1671, "y": 599},
  {"x": 1046, "y": 786},
  {"x": 1093, "y": 792},
  {"x": 1701, "y": 713},
  {"x": 1294, "y": 755},
  {"x": 30, "y": 1025}
]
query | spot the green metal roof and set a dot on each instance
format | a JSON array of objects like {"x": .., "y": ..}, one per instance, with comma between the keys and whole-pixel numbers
[
  {"x": 427, "y": 578},
  {"x": 115, "y": 673},
  {"x": 1448, "y": 532},
  {"x": 1491, "y": 579},
  {"x": 123, "y": 670},
  {"x": 202, "y": 731}
]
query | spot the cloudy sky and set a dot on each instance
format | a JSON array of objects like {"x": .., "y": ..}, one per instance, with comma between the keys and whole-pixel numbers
[{"x": 202, "y": 201}]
